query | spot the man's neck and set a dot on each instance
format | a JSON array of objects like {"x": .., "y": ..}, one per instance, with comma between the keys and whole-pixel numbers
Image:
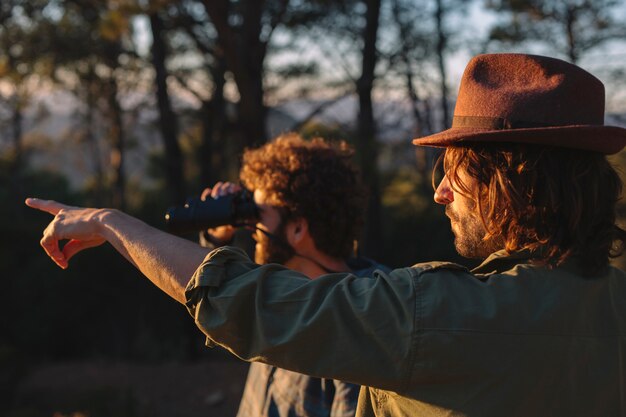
[{"x": 314, "y": 266}]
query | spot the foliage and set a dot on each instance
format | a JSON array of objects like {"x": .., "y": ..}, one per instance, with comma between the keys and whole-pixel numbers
[
  {"x": 414, "y": 225},
  {"x": 570, "y": 27}
]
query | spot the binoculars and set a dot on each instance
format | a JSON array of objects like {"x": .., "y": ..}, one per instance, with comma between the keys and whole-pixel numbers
[{"x": 196, "y": 215}]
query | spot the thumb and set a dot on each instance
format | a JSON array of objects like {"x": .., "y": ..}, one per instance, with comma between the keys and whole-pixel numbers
[{"x": 74, "y": 246}]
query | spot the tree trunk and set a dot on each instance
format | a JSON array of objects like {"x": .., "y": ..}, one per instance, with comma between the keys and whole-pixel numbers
[
  {"x": 116, "y": 135},
  {"x": 244, "y": 54},
  {"x": 252, "y": 112},
  {"x": 250, "y": 72},
  {"x": 442, "y": 40},
  {"x": 410, "y": 87},
  {"x": 17, "y": 137},
  {"x": 17, "y": 165},
  {"x": 572, "y": 47},
  {"x": 92, "y": 140},
  {"x": 213, "y": 125},
  {"x": 167, "y": 119},
  {"x": 366, "y": 146}
]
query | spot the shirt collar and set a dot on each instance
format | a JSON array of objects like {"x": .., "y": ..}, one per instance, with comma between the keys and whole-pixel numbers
[{"x": 501, "y": 261}]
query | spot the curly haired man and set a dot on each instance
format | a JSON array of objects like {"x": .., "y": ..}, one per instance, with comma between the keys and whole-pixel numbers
[
  {"x": 538, "y": 329},
  {"x": 311, "y": 210}
]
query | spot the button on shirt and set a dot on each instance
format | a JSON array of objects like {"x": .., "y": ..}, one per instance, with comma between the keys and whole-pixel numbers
[{"x": 509, "y": 338}]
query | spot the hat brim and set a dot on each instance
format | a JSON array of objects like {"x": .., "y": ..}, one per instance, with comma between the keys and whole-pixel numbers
[{"x": 604, "y": 139}]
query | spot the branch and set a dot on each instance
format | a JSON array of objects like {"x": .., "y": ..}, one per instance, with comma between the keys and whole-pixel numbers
[
  {"x": 277, "y": 18},
  {"x": 208, "y": 50},
  {"x": 185, "y": 85},
  {"x": 341, "y": 58},
  {"x": 317, "y": 110}
]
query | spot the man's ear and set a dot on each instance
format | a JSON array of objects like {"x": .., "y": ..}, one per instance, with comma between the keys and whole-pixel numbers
[{"x": 297, "y": 231}]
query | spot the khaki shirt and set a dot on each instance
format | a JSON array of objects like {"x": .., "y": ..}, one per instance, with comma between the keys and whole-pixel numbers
[{"x": 506, "y": 339}]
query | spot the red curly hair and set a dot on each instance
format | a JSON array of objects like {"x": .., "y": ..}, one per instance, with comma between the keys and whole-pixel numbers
[{"x": 314, "y": 180}]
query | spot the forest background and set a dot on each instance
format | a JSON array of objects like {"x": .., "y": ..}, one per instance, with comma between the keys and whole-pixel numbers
[{"x": 140, "y": 104}]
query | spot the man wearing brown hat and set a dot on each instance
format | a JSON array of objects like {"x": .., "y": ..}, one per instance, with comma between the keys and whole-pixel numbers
[{"x": 538, "y": 329}]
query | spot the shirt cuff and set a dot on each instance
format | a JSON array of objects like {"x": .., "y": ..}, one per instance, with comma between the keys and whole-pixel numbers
[
  {"x": 210, "y": 274},
  {"x": 212, "y": 270}
]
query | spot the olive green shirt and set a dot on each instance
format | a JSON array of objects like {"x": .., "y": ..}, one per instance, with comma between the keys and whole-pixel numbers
[{"x": 507, "y": 339}]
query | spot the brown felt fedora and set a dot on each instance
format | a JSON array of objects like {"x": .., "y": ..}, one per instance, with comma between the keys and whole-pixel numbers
[{"x": 529, "y": 99}]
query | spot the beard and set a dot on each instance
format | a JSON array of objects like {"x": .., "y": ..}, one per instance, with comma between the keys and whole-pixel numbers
[
  {"x": 469, "y": 235},
  {"x": 274, "y": 249}
]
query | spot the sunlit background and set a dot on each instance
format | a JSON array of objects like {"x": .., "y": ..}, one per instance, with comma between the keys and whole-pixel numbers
[{"x": 139, "y": 104}]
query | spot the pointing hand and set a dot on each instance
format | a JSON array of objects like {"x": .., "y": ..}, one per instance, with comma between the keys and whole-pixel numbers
[{"x": 81, "y": 227}]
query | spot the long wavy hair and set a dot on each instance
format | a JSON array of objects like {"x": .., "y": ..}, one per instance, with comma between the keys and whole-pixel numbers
[{"x": 556, "y": 203}]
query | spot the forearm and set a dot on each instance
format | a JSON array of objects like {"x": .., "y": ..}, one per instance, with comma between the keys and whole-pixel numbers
[{"x": 166, "y": 260}]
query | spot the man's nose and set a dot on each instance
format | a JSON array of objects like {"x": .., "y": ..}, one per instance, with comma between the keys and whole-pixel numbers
[{"x": 443, "y": 193}]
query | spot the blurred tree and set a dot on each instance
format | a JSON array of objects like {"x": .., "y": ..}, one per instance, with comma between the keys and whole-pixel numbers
[
  {"x": 77, "y": 69},
  {"x": 570, "y": 27},
  {"x": 243, "y": 31},
  {"x": 433, "y": 41},
  {"x": 442, "y": 8},
  {"x": 222, "y": 42},
  {"x": 417, "y": 54},
  {"x": 413, "y": 45},
  {"x": 346, "y": 34},
  {"x": 366, "y": 142},
  {"x": 88, "y": 46},
  {"x": 21, "y": 71},
  {"x": 168, "y": 120},
  {"x": 409, "y": 56},
  {"x": 118, "y": 14},
  {"x": 225, "y": 51},
  {"x": 192, "y": 33},
  {"x": 347, "y": 31},
  {"x": 88, "y": 89}
]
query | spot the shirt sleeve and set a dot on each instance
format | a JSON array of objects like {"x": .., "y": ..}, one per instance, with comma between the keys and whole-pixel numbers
[{"x": 339, "y": 326}]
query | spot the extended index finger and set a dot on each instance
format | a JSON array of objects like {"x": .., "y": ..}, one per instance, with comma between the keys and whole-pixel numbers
[{"x": 49, "y": 206}]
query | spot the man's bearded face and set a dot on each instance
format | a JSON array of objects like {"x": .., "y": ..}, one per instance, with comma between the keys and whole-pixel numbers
[
  {"x": 274, "y": 249},
  {"x": 465, "y": 217},
  {"x": 468, "y": 230}
]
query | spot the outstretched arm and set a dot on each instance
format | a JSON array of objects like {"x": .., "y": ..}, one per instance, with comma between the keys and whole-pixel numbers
[{"x": 168, "y": 261}]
